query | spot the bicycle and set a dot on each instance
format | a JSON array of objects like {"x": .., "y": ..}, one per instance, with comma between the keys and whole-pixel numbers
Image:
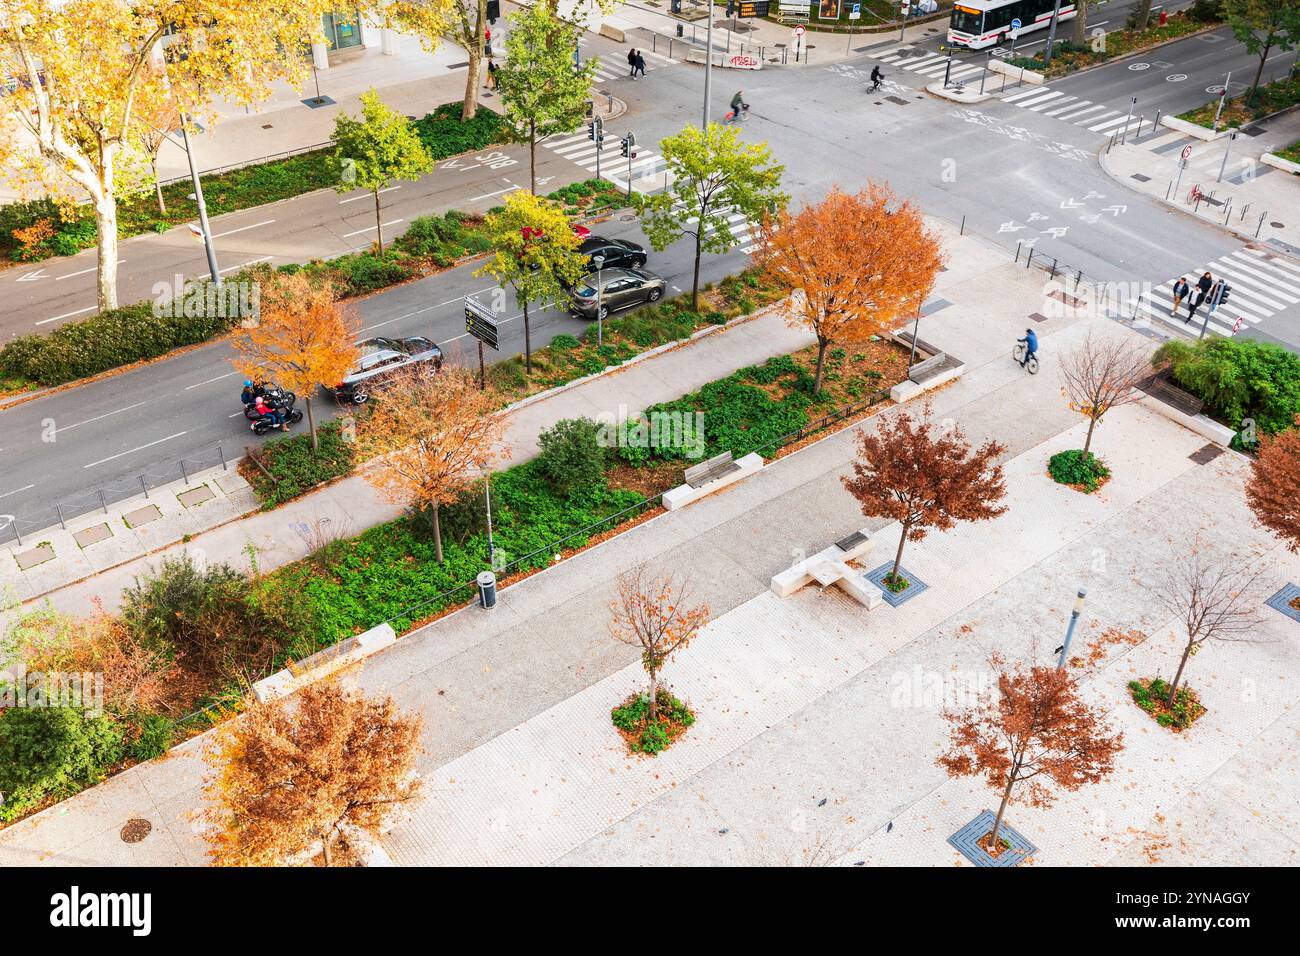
[
  {"x": 1195, "y": 195},
  {"x": 731, "y": 116},
  {"x": 1019, "y": 355}
]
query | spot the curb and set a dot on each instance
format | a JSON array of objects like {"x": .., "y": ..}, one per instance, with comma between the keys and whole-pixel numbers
[{"x": 1131, "y": 55}]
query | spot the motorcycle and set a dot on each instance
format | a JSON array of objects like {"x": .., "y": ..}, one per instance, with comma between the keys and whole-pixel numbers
[
  {"x": 274, "y": 396},
  {"x": 261, "y": 424}
]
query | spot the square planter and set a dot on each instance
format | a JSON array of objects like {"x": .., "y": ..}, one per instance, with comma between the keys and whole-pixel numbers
[
  {"x": 1281, "y": 601},
  {"x": 966, "y": 842},
  {"x": 914, "y": 584}
]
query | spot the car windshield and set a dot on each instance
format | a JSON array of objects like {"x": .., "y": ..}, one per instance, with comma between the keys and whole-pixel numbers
[{"x": 586, "y": 291}]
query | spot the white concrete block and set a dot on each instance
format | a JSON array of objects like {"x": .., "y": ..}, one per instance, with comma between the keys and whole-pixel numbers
[{"x": 683, "y": 495}]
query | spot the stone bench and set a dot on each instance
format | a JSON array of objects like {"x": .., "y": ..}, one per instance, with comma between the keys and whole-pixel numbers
[
  {"x": 719, "y": 466},
  {"x": 710, "y": 476},
  {"x": 323, "y": 663},
  {"x": 830, "y": 567}
]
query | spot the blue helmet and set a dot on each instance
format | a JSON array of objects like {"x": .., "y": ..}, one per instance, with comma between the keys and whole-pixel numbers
[{"x": 248, "y": 383}]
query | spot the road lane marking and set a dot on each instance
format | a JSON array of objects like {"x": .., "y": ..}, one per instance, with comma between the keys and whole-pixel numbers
[
  {"x": 349, "y": 235},
  {"x": 98, "y": 417},
  {"x": 16, "y": 490},
  {"x": 210, "y": 381},
  {"x": 73, "y": 275},
  {"x": 368, "y": 195},
  {"x": 231, "y": 232},
  {"x": 134, "y": 450},
  {"x": 497, "y": 193},
  {"x": 250, "y": 262},
  {"x": 68, "y": 315}
]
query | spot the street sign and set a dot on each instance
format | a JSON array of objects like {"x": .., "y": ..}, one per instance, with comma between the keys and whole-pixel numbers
[
  {"x": 754, "y": 8},
  {"x": 480, "y": 324},
  {"x": 856, "y": 12},
  {"x": 1187, "y": 152},
  {"x": 799, "y": 30},
  {"x": 1015, "y": 24}
]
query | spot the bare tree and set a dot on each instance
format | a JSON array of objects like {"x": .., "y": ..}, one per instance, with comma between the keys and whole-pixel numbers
[
  {"x": 1212, "y": 598},
  {"x": 1102, "y": 374},
  {"x": 654, "y": 612}
]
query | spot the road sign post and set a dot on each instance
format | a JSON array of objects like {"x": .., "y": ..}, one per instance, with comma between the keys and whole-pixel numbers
[
  {"x": 903, "y": 11},
  {"x": 1227, "y": 148},
  {"x": 482, "y": 325},
  {"x": 1051, "y": 34},
  {"x": 1182, "y": 164},
  {"x": 1015, "y": 34},
  {"x": 1222, "y": 97}
]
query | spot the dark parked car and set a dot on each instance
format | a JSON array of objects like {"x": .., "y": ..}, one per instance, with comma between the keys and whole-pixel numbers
[
  {"x": 618, "y": 253},
  {"x": 380, "y": 358},
  {"x": 621, "y": 289}
]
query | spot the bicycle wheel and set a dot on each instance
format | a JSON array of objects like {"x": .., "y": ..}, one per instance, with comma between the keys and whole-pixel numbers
[
  {"x": 1032, "y": 365},
  {"x": 1018, "y": 353}
]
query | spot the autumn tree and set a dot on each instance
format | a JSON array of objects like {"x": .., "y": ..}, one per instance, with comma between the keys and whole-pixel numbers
[
  {"x": 375, "y": 150},
  {"x": 924, "y": 477},
  {"x": 542, "y": 92},
  {"x": 535, "y": 251},
  {"x": 855, "y": 264},
  {"x": 316, "y": 769},
  {"x": 83, "y": 66},
  {"x": 1273, "y": 491},
  {"x": 158, "y": 119},
  {"x": 1103, "y": 374},
  {"x": 301, "y": 339},
  {"x": 1263, "y": 26},
  {"x": 1038, "y": 729},
  {"x": 715, "y": 175},
  {"x": 1211, "y": 597},
  {"x": 654, "y": 612},
  {"x": 431, "y": 437}
]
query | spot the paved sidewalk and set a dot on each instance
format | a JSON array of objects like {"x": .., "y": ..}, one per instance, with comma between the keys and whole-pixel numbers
[{"x": 1269, "y": 197}]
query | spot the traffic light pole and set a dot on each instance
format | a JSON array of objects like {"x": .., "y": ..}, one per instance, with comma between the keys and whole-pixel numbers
[{"x": 708, "y": 75}]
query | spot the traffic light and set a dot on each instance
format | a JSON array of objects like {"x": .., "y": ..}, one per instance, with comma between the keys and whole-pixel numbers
[
  {"x": 1223, "y": 293},
  {"x": 731, "y": 8},
  {"x": 493, "y": 10},
  {"x": 591, "y": 132},
  {"x": 625, "y": 144}
]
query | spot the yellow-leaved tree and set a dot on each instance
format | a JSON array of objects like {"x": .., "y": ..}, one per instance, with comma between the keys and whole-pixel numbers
[{"x": 83, "y": 67}]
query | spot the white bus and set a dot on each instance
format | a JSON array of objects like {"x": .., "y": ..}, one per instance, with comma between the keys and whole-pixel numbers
[{"x": 981, "y": 23}]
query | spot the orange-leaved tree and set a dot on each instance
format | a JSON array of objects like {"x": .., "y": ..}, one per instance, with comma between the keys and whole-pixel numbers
[
  {"x": 431, "y": 436},
  {"x": 1038, "y": 727},
  {"x": 314, "y": 770},
  {"x": 855, "y": 264},
  {"x": 654, "y": 612},
  {"x": 1273, "y": 491},
  {"x": 301, "y": 338},
  {"x": 924, "y": 476}
]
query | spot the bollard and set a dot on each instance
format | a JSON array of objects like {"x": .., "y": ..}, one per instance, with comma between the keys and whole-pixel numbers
[
  {"x": 1053, "y": 275},
  {"x": 184, "y": 474},
  {"x": 487, "y": 590},
  {"x": 1078, "y": 277},
  {"x": 1019, "y": 243},
  {"x": 962, "y": 230},
  {"x": 222, "y": 452},
  {"x": 59, "y": 509},
  {"x": 1168, "y": 190},
  {"x": 102, "y": 503},
  {"x": 1155, "y": 123},
  {"x": 144, "y": 488},
  {"x": 1261, "y": 224}
]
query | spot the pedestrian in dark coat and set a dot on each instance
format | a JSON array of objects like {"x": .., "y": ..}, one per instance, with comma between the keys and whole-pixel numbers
[
  {"x": 1181, "y": 288},
  {"x": 1203, "y": 286},
  {"x": 631, "y": 62},
  {"x": 640, "y": 64}
]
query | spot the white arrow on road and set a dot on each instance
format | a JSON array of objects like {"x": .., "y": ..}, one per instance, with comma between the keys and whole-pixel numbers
[
  {"x": 1094, "y": 195},
  {"x": 32, "y": 276},
  {"x": 1009, "y": 227},
  {"x": 1115, "y": 210},
  {"x": 1094, "y": 217},
  {"x": 1071, "y": 204}
]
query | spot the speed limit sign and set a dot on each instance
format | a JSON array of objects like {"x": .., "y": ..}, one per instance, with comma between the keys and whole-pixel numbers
[
  {"x": 1187, "y": 152},
  {"x": 799, "y": 31}
]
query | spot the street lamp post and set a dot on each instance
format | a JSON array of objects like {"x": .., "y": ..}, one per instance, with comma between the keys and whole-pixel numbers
[
  {"x": 203, "y": 209},
  {"x": 1069, "y": 631},
  {"x": 708, "y": 64},
  {"x": 1051, "y": 34},
  {"x": 916, "y": 327},
  {"x": 487, "y": 488},
  {"x": 600, "y": 301}
]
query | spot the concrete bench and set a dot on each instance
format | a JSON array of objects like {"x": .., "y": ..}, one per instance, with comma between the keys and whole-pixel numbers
[
  {"x": 927, "y": 369},
  {"x": 697, "y": 476},
  {"x": 326, "y": 662},
  {"x": 830, "y": 568}
]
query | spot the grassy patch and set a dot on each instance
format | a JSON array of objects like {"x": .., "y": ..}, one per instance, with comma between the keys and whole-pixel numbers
[
  {"x": 1152, "y": 696},
  {"x": 1243, "y": 110},
  {"x": 1082, "y": 471},
  {"x": 1292, "y": 152},
  {"x": 631, "y": 720},
  {"x": 294, "y": 468}
]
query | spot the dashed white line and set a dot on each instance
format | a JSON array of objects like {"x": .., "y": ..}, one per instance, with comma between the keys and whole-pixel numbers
[
  {"x": 231, "y": 232},
  {"x": 67, "y": 315},
  {"x": 98, "y": 417},
  {"x": 132, "y": 451}
]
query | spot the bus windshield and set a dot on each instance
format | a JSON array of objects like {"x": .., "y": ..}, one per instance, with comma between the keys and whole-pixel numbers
[{"x": 966, "y": 20}]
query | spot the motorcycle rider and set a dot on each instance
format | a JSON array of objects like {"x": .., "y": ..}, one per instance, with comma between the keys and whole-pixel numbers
[
  {"x": 276, "y": 414},
  {"x": 251, "y": 392}
]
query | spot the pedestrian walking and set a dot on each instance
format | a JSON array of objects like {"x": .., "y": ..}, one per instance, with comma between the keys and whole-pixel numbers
[
  {"x": 639, "y": 66},
  {"x": 1181, "y": 288},
  {"x": 492, "y": 75},
  {"x": 1203, "y": 286},
  {"x": 631, "y": 63}
]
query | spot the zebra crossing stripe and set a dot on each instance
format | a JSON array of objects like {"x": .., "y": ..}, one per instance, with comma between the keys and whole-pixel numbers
[
  {"x": 1276, "y": 263},
  {"x": 1021, "y": 95},
  {"x": 1108, "y": 125},
  {"x": 1059, "y": 107},
  {"x": 1043, "y": 103},
  {"x": 1079, "y": 110},
  {"x": 1038, "y": 95},
  {"x": 1279, "y": 289}
]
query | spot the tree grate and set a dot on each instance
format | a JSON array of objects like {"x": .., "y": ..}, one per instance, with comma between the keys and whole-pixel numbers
[
  {"x": 965, "y": 841},
  {"x": 914, "y": 584}
]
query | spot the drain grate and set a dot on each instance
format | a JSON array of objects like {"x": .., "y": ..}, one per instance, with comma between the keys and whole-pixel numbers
[
  {"x": 1206, "y": 454},
  {"x": 897, "y": 99},
  {"x": 1141, "y": 178},
  {"x": 1037, "y": 317}
]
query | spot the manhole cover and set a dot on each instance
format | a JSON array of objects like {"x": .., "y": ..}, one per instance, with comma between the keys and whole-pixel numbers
[
  {"x": 136, "y": 830},
  {"x": 1141, "y": 178},
  {"x": 628, "y": 218},
  {"x": 897, "y": 99},
  {"x": 1206, "y": 454}
]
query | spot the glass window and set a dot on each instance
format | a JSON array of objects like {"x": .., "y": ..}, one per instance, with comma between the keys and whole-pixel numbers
[{"x": 966, "y": 20}]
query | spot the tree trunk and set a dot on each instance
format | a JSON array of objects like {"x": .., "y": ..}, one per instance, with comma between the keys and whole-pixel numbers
[
  {"x": 325, "y": 849},
  {"x": 1259, "y": 73},
  {"x": 1087, "y": 444},
  {"x": 162, "y": 205},
  {"x": 898, "y": 556},
  {"x": 653, "y": 714},
  {"x": 437, "y": 534},
  {"x": 106, "y": 246},
  {"x": 822, "y": 345},
  {"x": 695, "y": 278},
  {"x": 1081, "y": 23},
  {"x": 475, "y": 77},
  {"x": 532, "y": 158},
  {"x": 379, "y": 226},
  {"x": 528, "y": 344},
  {"x": 1173, "y": 684},
  {"x": 1002, "y": 808},
  {"x": 1143, "y": 15},
  {"x": 311, "y": 426}
]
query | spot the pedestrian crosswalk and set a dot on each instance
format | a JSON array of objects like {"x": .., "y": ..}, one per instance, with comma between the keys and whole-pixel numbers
[
  {"x": 1262, "y": 284},
  {"x": 1096, "y": 117},
  {"x": 928, "y": 64},
  {"x": 613, "y": 65}
]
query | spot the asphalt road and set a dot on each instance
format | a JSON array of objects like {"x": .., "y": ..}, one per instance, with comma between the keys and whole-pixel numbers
[{"x": 66, "y": 447}]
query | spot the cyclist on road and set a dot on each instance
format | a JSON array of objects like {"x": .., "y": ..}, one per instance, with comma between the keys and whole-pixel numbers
[
  {"x": 1031, "y": 346},
  {"x": 876, "y": 77},
  {"x": 738, "y": 105}
]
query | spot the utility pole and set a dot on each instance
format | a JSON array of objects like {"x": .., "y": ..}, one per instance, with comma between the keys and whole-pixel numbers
[
  {"x": 1227, "y": 148},
  {"x": 1051, "y": 34},
  {"x": 203, "y": 209},
  {"x": 708, "y": 65},
  {"x": 1069, "y": 631},
  {"x": 1222, "y": 96}
]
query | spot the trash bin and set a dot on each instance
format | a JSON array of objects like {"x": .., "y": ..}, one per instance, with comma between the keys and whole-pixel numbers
[
  {"x": 679, "y": 30},
  {"x": 487, "y": 589}
]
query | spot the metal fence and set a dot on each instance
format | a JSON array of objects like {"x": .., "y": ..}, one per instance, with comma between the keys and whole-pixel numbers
[{"x": 151, "y": 477}]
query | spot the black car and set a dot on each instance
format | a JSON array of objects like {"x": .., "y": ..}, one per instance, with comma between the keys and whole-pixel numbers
[
  {"x": 617, "y": 253},
  {"x": 380, "y": 358}
]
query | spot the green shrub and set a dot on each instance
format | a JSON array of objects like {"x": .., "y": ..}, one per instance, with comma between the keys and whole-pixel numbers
[
  {"x": 107, "y": 340},
  {"x": 571, "y": 456},
  {"x": 20, "y": 215},
  {"x": 1238, "y": 379},
  {"x": 364, "y": 272},
  {"x": 654, "y": 737},
  {"x": 445, "y": 134},
  {"x": 74, "y": 236},
  {"x": 296, "y": 468},
  {"x": 564, "y": 341},
  {"x": 51, "y": 752},
  {"x": 153, "y": 736},
  {"x": 1076, "y": 467}
]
